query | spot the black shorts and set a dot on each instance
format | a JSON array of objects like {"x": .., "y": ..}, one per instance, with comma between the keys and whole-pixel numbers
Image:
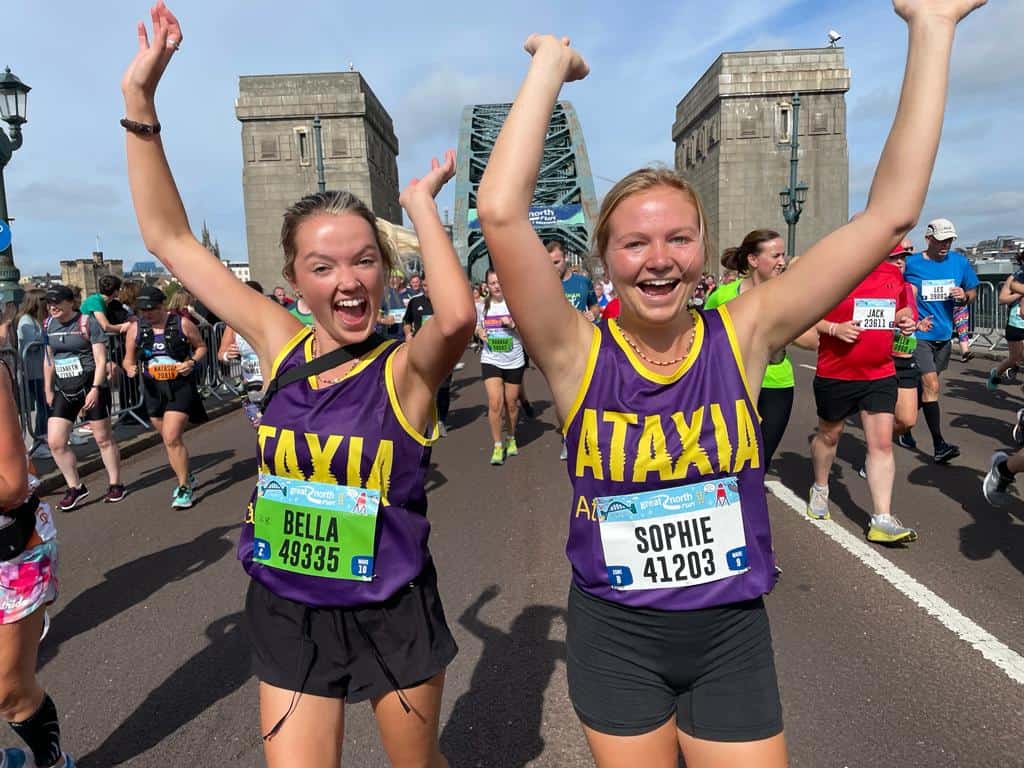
[
  {"x": 175, "y": 395},
  {"x": 908, "y": 375},
  {"x": 350, "y": 653},
  {"x": 507, "y": 375},
  {"x": 1013, "y": 333},
  {"x": 65, "y": 407},
  {"x": 837, "y": 399},
  {"x": 631, "y": 669}
]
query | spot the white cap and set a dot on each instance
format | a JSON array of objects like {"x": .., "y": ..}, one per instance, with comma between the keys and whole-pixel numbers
[{"x": 940, "y": 229}]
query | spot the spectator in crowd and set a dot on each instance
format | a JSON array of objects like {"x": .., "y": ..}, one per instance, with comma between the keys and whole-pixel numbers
[
  {"x": 31, "y": 316},
  {"x": 281, "y": 297},
  {"x": 392, "y": 308},
  {"x": 128, "y": 295},
  {"x": 8, "y": 339},
  {"x": 96, "y": 305},
  {"x": 415, "y": 289},
  {"x": 181, "y": 303}
]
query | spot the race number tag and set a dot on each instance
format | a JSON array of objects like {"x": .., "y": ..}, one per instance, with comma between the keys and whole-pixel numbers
[
  {"x": 251, "y": 368},
  {"x": 498, "y": 337},
  {"x": 398, "y": 315},
  {"x": 67, "y": 367},
  {"x": 875, "y": 314},
  {"x": 316, "y": 529},
  {"x": 163, "y": 368},
  {"x": 676, "y": 537},
  {"x": 937, "y": 290}
]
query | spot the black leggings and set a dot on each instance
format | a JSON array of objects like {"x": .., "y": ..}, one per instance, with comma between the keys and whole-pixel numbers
[{"x": 774, "y": 405}]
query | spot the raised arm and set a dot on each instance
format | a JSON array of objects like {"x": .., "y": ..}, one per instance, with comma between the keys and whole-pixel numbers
[
  {"x": 767, "y": 318},
  {"x": 556, "y": 335},
  {"x": 432, "y": 353},
  {"x": 13, "y": 466},
  {"x": 161, "y": 215}
]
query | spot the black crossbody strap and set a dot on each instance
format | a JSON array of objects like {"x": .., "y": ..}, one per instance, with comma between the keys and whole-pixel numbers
[{"x": 323, "y": 363}]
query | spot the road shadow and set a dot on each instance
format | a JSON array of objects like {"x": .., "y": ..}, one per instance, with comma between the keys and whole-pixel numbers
[
  {"x": 996, "y": 429},
  {"x": 435, "y": 478},
  {"x": 497, "y": 722},
  {"x": 240, "y": 471},
  {"x": 529, "y": 430},
  {"x": 460, "y": 417},
  {"x": 993, "y": 530},
  {"x": 132, "y": 583},
  {"x": 165, "y": 474},
  {"x": 973, "y": 390},
  {"x": 215, "y": 672},
  {"x": 463, "y": 382}
]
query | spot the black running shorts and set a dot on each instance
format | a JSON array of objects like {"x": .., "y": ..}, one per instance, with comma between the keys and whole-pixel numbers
[
  {"x": 350, "y": 653},
  {"x": 507, "y": 375},
  {"x": 632, "y": 669},
  {"x": 181, "y": 395},
  {"x": 65, "y": 407},
  {"x": 908, "y": 375},
  {"x": 1013, "y": 333},
  {"x": 837, "y": 399}
]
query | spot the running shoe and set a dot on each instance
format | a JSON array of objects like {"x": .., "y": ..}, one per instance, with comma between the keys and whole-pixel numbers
[
  {"x": 74, "y": 498},
  {"x": 511, "y": 449},
  {"x": 906, "y": 440},
  {"x": 46, "y": 625},
  {"x": 817, "y": 504},
  {"x": 996, "y": 487},
  {"x": 1018, "y": 429},
  {"x": 863, "y": 472},
  {"x": 114, "y": 494},
  {"x": 12, "y": 757},
  {"x": 182, "y": 497},
  {"x": 886, "y": 529},
  {"x": 459, "y": 366},
  {"x": 191, "y": 484},
  {"x": 945, "y": 453},
  {"x": 498, "y": 454},
  {"x": 442, "y": 429},
  {"x": 992, "y": 382},
  {"x": 1010, "y": 375},
  {"x": 966, "y": 357},
  {"x": 565, "y": 452}
]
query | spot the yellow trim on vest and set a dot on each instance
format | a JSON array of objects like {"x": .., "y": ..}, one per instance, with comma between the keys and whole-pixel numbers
[
  {"x": 287, "y": 348},
  {"x": 660, "y": 378},
  {"x": 355, "y": 369},
  {"x": 734, "y": 344},
  {"x": 389, "y": 382},
  {"x": 588, "y": 374}
]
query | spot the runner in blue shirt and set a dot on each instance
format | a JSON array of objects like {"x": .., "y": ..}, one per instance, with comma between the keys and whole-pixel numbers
[{"x": 943, "y": 279}]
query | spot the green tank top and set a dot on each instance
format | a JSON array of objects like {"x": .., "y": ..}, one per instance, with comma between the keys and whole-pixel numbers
[{"x": 776, "y": 375}]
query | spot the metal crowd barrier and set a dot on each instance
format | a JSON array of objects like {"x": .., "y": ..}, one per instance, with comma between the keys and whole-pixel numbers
[
  {"x": 988, "y": 316},
  {"x": 216, "y": 378}
]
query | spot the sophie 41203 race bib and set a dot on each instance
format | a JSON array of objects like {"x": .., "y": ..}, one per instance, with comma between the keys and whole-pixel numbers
[
  {"x": 875, "y": 314},
  {"x": 675, "y": 537}
]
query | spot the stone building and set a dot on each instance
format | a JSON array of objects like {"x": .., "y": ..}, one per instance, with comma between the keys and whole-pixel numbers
[
  {"x": 85, "y": 273},
  {"x": 732, "y": 134},
  {"x": 279, "y": 157}
]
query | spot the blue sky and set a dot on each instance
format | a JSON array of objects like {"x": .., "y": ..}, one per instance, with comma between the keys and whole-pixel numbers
[{"x": 426, "y": 61}]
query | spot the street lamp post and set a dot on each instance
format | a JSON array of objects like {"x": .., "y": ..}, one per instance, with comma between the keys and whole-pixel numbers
[
  {"x": 13, "y": 111},
  {"x": 793, "y": 197}
]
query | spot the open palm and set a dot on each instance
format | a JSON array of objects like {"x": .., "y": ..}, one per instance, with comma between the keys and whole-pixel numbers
[{"x": 152, "y": 57}]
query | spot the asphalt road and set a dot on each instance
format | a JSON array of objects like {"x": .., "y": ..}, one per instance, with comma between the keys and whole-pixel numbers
[{"x": 148, "y": 661}]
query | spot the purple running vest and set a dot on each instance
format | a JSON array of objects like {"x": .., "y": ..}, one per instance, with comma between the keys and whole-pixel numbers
[
  {"x": 619, "y": 417},
  {"x": 360, "y": 411}
]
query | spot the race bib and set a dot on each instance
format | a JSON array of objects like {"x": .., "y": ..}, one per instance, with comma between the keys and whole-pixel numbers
[
  {"x": 936, "y": 290},
  {"x": 904, "y": 344},
  {"x": 676, "y": 537},
  {"x": 499, "y": 339},
  {"x": 316, "y": 529},
  {"x": 251, "y": 368},
  {"x": 875, "y": 314},
  {"x": 68, "y": 367},
  {"x": 163, "y": 368},
  {"x": 398, "y": 315}
]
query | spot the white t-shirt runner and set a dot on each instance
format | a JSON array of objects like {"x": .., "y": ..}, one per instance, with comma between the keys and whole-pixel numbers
[{"x": 503, "y": 348}]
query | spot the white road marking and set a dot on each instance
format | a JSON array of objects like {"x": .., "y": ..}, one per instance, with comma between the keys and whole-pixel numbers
[
  {"x": 809, "y": 367},
  {"x": 982, "y": 641}
]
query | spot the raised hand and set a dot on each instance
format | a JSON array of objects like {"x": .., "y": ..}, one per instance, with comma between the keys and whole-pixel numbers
[
  {"x": 426, "y": 189},
  {"x": 576, "y": 67},
  {"x": 951, "y": 10},
  {"x": 152, "y": 57}
]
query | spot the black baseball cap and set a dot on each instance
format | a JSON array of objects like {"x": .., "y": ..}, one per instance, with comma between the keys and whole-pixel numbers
[
  {"x": 55, "y": 294},
  {"x": 150, "y": 297}
]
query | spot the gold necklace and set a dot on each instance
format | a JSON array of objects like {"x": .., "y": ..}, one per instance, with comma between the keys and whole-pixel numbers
[
  {"x": 316, "y": 353},
  {"x": 665, "y": 363}
]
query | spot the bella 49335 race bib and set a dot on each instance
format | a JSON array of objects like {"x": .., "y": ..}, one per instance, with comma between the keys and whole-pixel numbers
[
  {"x": 317, "y": 529},
  {"x": 676, "y": 537}
]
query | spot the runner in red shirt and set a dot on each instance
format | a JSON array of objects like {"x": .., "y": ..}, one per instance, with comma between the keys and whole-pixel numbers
[{"x": 856, "y": 373}]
